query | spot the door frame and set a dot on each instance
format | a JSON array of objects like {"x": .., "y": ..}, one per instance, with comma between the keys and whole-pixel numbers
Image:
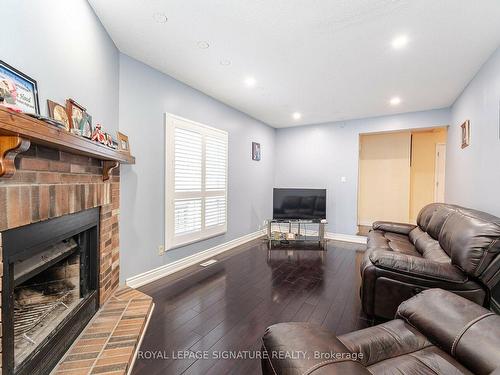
[{"x": 440, "y": 148}]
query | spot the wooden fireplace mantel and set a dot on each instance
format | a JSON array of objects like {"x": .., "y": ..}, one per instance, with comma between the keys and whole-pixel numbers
[{"x": 17, "y": 131}]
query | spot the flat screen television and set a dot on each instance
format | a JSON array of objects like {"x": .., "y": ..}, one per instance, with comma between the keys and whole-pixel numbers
[{"x": 299, "y": 204}]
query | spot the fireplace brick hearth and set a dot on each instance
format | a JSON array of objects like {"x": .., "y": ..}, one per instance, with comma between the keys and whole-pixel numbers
[{"x": 49, "y": 183}]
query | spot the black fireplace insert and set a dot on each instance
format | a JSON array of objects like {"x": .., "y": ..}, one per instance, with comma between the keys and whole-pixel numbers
[{"x": 49, "y": 289}]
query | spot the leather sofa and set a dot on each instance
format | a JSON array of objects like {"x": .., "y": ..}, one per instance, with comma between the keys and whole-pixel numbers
[
  {"x": 451, "y": 247},
  {"x": 435, "y": 332}
]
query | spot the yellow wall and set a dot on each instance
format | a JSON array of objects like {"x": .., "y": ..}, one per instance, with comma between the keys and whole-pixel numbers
[
  {"x": 422, "y": 171},
  {"x": 384, "y": 177}
]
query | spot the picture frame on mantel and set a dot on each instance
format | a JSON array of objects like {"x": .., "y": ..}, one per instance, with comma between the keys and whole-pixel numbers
[
  {"x": 75, "y": 113},
  {"x": 123, "y": 143},
  {"x": 465, "y": 134},
  {"x": 18, "y": 90}
]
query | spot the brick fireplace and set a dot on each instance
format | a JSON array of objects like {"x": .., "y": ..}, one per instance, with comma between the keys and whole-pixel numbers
[{"x": 50, "y": 183}]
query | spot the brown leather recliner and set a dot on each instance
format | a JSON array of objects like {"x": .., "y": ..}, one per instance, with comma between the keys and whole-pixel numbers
[
  {"x": 435, "y": 332},
  {"x": 451, "y": 247}
]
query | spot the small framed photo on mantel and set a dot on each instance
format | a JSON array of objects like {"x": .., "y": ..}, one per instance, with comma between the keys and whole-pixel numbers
[
  {"x": 123, "y": 143},
  {"x": 75, "y": 113}
]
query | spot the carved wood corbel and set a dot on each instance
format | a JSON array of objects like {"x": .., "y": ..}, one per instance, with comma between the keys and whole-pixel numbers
[
  {"x": 107, "y": 168},
  {"x": 10, "y": 146}
]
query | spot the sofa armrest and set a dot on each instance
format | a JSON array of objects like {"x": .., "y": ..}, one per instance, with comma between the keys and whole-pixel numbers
[
  {"x": 308, "y": 349},
  {"x": 467, "y": 331},
  {"x": 388, "y": 226},
  {"x": 417, "y": 267}
]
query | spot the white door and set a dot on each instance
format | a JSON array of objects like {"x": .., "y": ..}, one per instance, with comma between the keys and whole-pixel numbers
[{"x": 440, "y": 172}]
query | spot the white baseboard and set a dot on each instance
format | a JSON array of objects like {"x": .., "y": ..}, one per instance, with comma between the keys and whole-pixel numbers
[
  {"x": 366, "y": 223},
  {"x": 170, "y": 268},
  {"x": 345, "y": 237}
]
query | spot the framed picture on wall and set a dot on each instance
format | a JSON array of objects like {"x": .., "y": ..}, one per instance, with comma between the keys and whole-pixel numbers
[
  {"x": 256, "y": 154},
  {"x": 465, "y": 134}
]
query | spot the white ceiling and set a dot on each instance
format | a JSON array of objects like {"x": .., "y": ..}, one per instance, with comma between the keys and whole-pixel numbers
[{"x": 327, "y": 59}]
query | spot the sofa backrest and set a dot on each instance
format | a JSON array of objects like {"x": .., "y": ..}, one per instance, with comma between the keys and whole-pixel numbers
[
  {"x": 438, "y": 219},
  {"x": 426, "y": 213},
  {"x": 471, "y": 238}
]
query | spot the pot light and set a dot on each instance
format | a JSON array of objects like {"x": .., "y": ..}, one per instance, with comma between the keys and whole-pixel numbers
[
  {"x": 203, "y": 44},
  {"x": 160, "y": 17},
  {"x": 296, "y": 115},
  {"x": 250, "y": 81},
  {"x": 395, "y": 101},
  {"x": 400, "y": 41}
]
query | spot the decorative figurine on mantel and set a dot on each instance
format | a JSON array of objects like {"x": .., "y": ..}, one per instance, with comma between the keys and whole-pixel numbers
[{"x": 99, "y": 136}]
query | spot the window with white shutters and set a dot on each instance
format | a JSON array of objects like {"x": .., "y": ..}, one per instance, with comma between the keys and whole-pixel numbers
[{"x": 196, "y": 181}]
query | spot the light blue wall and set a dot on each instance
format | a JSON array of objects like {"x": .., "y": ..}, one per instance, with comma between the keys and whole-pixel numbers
[
  {"x": 63, "y": 46},
  {"x": 317, "y": 156},
  {"x": 145, "y": 96},
  {"x": 473, "y": 173}
]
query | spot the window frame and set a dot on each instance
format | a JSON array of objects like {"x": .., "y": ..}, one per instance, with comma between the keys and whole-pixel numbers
[{"x": 171, "y": 240}]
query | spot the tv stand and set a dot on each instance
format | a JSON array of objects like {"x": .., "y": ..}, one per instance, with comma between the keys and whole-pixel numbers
[{"x": 307, "y": 232}]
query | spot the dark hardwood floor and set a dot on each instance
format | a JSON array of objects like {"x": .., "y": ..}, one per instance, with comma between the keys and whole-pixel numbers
[{"x": 227, "y": 306}]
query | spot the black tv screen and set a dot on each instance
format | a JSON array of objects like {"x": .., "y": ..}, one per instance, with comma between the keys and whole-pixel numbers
[{"x": 299, "y": 204}]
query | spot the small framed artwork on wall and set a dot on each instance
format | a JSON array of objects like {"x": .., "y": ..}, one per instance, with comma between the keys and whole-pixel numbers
[
  {"x": 256, "y": 154},
  {"x": 465, "y": 134}
]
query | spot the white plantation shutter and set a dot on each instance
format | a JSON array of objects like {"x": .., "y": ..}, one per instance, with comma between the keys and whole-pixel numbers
[
  {"x": 187, "y": 216},
  {"x": 216, "y": 156},
  {"x": 215, "y": 211},
  {"x": 196, "y": 181},
  {"x": 187, "y": 160}
]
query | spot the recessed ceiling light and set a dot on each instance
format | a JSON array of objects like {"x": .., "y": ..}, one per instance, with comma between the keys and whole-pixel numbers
[
  {"x": 395, "y": 101},
  {"x": 225, "y": 62},
  {"x": 297, "y": 115},
  {"x": 203, "y": 44},
  {"x": 250, "y": 81},
  {"x": 160, "y": 17},
  {"x": 399, "y": 41}
]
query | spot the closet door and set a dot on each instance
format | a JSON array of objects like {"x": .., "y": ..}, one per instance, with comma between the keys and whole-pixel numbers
[{"x": 384, "y": 177}]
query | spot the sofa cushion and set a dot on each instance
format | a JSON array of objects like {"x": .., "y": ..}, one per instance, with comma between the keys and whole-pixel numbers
[
  {"x": 430, "y": 249},
  {"x": 404, "y": 247},
  {"x": 378, "y": 239},
  {"x": 415, "y": 234},
  {"x": 417, "y": 267},
  {"x": 472, "y": 238}
]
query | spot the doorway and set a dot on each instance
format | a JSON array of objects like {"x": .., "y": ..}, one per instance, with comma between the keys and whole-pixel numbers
[{"x": 399, "y": 173}]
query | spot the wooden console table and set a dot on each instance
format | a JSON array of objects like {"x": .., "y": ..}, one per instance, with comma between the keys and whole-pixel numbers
[{"x": 17, "y": 131}]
